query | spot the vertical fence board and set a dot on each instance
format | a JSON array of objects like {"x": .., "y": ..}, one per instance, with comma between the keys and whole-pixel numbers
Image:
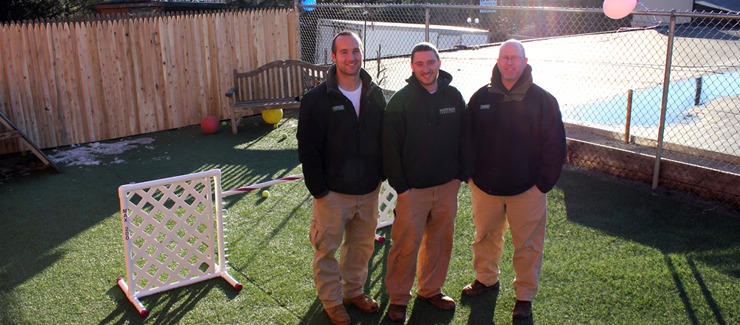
[
  {"x": 88, "y": 118},
  {"x": 62, "y": 106},
  {"x": 5, "y": 146},
  {"x": 4, "y": 51},
  {"x": 128, "y": 101},
  {"x": 199, "y": 83},
  {"x": 24, "y": 115},
  {"x": 104, "y": 79},
  {"x": 212, "y": 104},
  {"x": 48, "y": 84},
  {"x": 8, "y": 102},
  {"x": 258, "y": 27},
  {"x": 138, "y": 85},
  {"x": 294, "y": 40},
  {"x": 159, "y": 101},
  {"x": 185, "y": 67},
  {"x": 97, "y": 89},
  {"x": 271, "y": 33},
  {"x": 190, "y": 69},
  {"x": 138, "y": 113},
  {"x": 176, "y": 76},
  {"x": 222, "y": 73},
  {"x": 168, "y": 65},
  {"x": 150, "y": 83},
  {"x": 113, "y": 85},
  {"x": 34, "y": 116},
  {"x": 70, "y": 67},
  {"x": 278, "y": 34},
  {"x": 17, "y": 114},
  {"x": 142, "y": 58}
]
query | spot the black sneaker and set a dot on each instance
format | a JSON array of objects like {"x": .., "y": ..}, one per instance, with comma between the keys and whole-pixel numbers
[{"x": 522, "y": 309}]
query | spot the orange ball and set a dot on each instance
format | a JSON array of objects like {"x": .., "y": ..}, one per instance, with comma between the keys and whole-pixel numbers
[{"x": 209, "y": 124}]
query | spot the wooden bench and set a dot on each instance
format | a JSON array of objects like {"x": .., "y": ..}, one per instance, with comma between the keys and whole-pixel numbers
[{"x": 278, "y": 84}]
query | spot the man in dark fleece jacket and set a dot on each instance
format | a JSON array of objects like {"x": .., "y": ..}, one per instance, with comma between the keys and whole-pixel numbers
[
  {"x": 518, "y": 155},
  {"x": 426, "y": 155},
  {"x": 339, "y": 125}
]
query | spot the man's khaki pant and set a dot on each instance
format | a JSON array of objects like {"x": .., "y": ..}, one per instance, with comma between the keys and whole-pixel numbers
[
  {"x": 422, "y": 231},
  {"x": 344, "y": 222},
  {"x": 526, "y": 216}
]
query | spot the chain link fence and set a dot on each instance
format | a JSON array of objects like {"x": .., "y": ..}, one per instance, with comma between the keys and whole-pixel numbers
[{"x": 665, "y": 84}]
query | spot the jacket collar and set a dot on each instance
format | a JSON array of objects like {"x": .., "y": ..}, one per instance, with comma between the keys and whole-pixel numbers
[
  {"x": 443, "y": 80},
  {"x": 333, "y": 85},
  {"x": 520, "y": 87}
]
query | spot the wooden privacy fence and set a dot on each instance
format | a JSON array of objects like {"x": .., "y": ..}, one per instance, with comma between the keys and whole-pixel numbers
[{"x": 66, "y": 83}]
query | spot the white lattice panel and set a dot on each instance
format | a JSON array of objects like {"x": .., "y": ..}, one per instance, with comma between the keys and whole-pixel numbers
[
  {"x": 386, "y": 203},
  {"x": 173, "y": 233}
]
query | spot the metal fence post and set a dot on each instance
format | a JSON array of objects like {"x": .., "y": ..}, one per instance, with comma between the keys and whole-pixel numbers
[
  {"x": 364, "y": 34},
  {"x": 426, "y": 23},
  {"x": 628, "y": 117},
  {"x": 664, "y": 100},
  {"x": 697, "y": 94}
]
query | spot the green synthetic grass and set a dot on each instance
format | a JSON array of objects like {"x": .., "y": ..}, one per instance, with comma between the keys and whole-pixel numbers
[{"x": 616, "y": 252}]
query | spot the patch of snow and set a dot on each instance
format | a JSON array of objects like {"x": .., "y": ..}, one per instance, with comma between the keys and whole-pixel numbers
[{"x": 87, "y": 155}]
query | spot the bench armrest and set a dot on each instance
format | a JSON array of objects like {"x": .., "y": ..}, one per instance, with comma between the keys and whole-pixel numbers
[{"x": 230, "y": 92}]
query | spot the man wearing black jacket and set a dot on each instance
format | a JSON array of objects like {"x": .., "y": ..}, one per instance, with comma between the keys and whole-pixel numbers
[
  {"x": 426, "y": 155},
  {"x": 518, "y": 155},
  {"x": 339, "y": 129}
]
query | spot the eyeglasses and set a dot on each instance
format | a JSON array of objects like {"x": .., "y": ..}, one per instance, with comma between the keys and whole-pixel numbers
[{"x": 510, "y": 58}]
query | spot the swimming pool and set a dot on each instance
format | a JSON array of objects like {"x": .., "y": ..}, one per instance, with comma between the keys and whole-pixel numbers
[{"x": 646, "y": 103}]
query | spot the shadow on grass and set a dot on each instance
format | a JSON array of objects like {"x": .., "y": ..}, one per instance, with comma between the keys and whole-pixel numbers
[
  {"x": 662, "y": 220},
  {"x": 168, "y": 307},
  {"x": 708, "y": 298},
  {"x": 423, "y": 313},
  {"x": 482, "y": 307},
  {"x": 658, "y": 219}
]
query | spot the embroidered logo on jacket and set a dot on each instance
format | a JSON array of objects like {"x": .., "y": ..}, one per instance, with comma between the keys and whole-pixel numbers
[
  {"x": 337, "y": 108},
  {"x": 447, "y": 110},
  {"x": 485, "y": 106}
]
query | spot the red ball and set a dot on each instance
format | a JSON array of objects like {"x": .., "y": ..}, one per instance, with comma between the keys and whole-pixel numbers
[{"x": 209, "y": 125}]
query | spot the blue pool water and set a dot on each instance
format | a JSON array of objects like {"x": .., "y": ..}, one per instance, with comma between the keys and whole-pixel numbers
[{"x": 646, "y": 102}]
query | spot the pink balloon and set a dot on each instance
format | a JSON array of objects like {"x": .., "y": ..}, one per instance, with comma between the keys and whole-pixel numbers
[{"x": 618, "y": 9}]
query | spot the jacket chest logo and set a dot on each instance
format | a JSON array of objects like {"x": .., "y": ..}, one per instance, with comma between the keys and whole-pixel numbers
[
  {"x": 337, "y": 108},
  {"x": 485, "y": 106},
  {"x": 447, "y": 110}
]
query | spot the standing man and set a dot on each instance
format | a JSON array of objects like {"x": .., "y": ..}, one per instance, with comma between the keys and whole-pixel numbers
[
  {"x": 426, "y": 154},
  {"x": 339, "y": 129},
  {"x": 518, "y": 155}
]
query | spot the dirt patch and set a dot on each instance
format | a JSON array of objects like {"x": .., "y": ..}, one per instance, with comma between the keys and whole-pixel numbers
[{"x": 18, "y": 164}]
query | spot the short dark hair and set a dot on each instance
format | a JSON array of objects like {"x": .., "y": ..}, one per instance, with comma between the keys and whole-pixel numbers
[
  {"x": 344, "y": 33},
  {"x": 424, "y": 47}
]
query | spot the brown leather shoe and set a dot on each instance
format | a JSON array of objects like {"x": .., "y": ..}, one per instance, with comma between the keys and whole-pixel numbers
[
  {"x": 364, "y": 303},
  {"x": 441, "y": 301},
  {"x": 397, "y": 313},
  {"x": 338, "y": 315},
  {"x": 522, "y": 309},
  {"x": 478, "y": 287}
]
